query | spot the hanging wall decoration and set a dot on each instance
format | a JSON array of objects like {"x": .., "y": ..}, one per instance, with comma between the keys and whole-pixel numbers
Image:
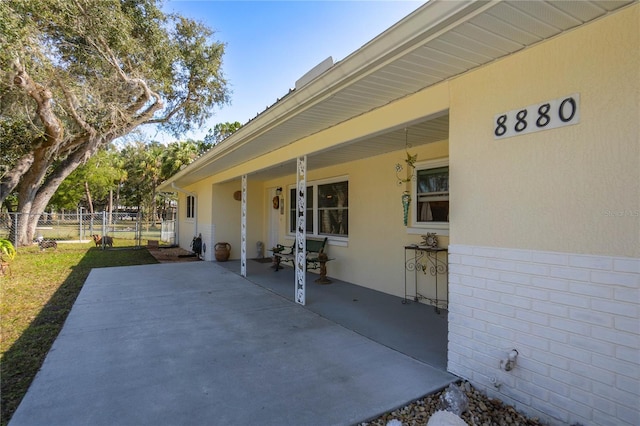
[
  {"x": 406, "y": 200},
  {"x": 410, "y": 175},
  {"x": 410, "y": 161}
]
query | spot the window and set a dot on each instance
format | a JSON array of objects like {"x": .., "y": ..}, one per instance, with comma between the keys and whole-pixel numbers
[
  {"x": 191, "y": 206},
  {"x": 327, "y": 208},
  {"x": 292, "y": 210},
  {"x": 333, "y": 209},
  {"x": 432, "y": 193}
]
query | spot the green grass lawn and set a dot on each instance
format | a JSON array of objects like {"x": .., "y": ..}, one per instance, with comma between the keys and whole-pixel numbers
[{"x": 35, "y": 299}]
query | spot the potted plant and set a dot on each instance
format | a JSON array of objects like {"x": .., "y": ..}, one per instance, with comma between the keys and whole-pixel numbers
[{"x": 7, "y": 254}]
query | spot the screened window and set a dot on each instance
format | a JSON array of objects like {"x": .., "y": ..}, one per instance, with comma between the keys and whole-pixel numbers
[
  {"x": 327, "y": 209},
  {"x": 432, "y": 194}
]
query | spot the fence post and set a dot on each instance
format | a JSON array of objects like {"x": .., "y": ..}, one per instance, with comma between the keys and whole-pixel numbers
[
  {"x": 104, "y": 227},
  {"x": 138, "y": 230},
  {"x": 80, "y": 223},
  {"x": 15, "y": 229}
]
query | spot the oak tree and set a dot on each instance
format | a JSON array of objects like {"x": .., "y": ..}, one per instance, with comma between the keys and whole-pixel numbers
[{"x": 77, "y": 74}]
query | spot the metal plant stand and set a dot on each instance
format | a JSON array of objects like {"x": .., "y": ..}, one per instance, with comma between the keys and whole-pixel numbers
[{"x": 425, "y": 260}]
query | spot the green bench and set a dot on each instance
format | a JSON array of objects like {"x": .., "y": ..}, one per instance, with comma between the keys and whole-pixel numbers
[{"x": 315, "y": 246}]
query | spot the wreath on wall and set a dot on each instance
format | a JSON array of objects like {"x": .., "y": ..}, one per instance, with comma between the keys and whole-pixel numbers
[{"x": 276, "y": 202}]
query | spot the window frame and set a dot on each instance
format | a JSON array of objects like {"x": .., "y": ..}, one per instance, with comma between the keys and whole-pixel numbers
[
  {"x": 315, "y": 210},
  {"x": 416, "y": 227},
  {"x": 190, "y": 204}
]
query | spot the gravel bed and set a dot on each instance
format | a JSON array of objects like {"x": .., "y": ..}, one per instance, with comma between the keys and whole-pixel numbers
[{"x": 482, "y": 411}]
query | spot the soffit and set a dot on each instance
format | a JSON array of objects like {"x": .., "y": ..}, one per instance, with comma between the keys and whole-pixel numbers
[{"x": 488, "y": 31}]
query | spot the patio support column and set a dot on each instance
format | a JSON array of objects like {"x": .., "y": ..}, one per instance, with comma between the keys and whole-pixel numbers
[
  {"x": 301, "y": 228},
  {"x": 243, "y": 229}
]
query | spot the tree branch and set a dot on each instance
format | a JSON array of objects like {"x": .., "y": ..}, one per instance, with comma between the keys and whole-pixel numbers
[
  {"x": 11, "y": 179},
  {"x": 70, "y": 101},
  {"x": 54, "y": 130},
  {"x": 66, "y": 167}
]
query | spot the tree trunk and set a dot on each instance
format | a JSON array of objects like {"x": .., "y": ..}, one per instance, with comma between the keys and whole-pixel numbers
[
  {"x": 12, "y": 178},
  {"x": 118, "y": 196},
  {"x": 88, "y": 193},
  {"x": 154, "y": 207},
  {"x": 34, "y": 194},
  {"x": 27, "y": 191}
]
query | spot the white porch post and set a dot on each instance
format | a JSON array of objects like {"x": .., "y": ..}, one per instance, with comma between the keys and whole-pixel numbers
[
  {"x": 301, "y": 227},
  {"x": 243, "y": 227}
]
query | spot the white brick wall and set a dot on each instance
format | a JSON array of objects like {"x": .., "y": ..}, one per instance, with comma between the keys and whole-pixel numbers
[{"x": 574, "y": 319}]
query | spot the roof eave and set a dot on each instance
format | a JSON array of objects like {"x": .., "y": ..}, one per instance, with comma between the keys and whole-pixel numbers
[{"x": 410, "y": 30}]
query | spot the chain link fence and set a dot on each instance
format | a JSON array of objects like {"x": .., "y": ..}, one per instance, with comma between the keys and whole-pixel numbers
[{"x": 124, "y": 229}]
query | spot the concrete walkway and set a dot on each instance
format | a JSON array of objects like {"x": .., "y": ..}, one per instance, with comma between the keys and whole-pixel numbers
[{"x": 195, "y": 343}]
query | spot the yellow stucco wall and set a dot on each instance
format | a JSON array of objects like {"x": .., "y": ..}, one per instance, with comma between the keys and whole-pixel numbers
[
  {"x": 373, "y": 256},
  {"x": 574, "y": 189},
  {"x": 186, "y": 227},
  {"x": 556, "y": 190},
  {"x": 416, "y": 107},
  {"x": 189, "y": 228},
  {"x": 219, "y": 215}
]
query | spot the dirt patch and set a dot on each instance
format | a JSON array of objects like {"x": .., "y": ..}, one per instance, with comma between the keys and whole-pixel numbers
[{"x": 173, "y": 254}]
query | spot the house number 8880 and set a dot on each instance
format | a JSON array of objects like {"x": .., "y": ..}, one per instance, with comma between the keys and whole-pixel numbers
[{"x": 547, "y": 115}]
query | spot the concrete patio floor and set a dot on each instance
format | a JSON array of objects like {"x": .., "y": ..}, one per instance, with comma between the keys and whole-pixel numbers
[
  {"x": 415, "y": 329},
  {"x": 195, "y": 343}
]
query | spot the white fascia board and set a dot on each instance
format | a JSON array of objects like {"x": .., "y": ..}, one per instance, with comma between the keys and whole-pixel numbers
[{"x": 426, "y": 22}]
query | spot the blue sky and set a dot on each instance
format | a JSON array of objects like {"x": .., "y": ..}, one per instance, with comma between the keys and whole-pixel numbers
[{"x": 271, "y": 44}]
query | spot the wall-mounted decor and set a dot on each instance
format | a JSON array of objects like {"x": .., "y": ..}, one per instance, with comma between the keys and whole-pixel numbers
[
  {"x": 276, "y": 202},
  {"x": 534, "y": 118},
  {"x": 406, "y": 200},
  {"x": 410, "y": 161},
  {"x": 237, "y": 195},
  {"x": 430, "y": 240}
]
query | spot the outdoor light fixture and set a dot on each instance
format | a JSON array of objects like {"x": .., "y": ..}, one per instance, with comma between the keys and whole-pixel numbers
[{"x": 279, "y": 190}]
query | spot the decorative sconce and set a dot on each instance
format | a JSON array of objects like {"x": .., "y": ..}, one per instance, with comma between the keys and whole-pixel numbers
[{"x": 410, "y": 160}]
